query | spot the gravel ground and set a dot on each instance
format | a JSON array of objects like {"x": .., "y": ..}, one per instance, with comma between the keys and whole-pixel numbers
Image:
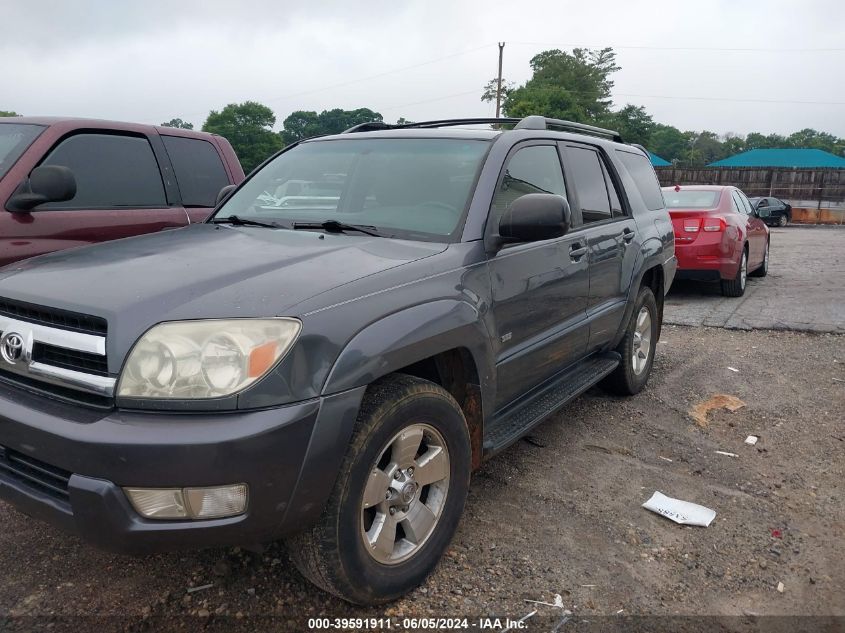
[{"x": 557, "y": 513}]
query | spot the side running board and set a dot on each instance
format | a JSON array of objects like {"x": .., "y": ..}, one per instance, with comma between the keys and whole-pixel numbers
[{"x": 515, "y": 420}]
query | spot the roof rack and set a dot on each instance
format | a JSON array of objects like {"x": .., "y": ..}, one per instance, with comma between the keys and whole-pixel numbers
[{"x": 533, "y": 122}]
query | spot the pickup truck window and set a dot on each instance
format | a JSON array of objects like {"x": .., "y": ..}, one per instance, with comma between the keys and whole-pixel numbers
[
  {"x": 532, "y": 169},
  {"x": 409, "y": 188},
  {"x": 198, "y": 168},
  {"x": 112, "y": 171},
  {"x": 14, "y": 139}
]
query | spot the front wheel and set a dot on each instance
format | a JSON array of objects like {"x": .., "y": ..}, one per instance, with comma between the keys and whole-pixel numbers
[
  {"x": 764, "y": 267},
  {"x": 782, "y": 220},
  {"x": 636, "y": 348},
  {"x": 398, "y": 498}
]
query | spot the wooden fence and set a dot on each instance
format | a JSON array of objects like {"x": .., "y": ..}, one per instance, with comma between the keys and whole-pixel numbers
[{"x": 822, "y": 188}]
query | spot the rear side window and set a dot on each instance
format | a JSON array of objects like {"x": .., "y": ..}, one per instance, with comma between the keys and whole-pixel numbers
[
  {"x": 111, "y": 171},
  {"x": 532, "y": 169},
  {"x": 590, "y": 183},
  {"x": 644, "y": 178},
  {"x": 198, "y": 168}
]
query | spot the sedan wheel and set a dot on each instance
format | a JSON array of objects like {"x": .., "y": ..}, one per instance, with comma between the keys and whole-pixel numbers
[{"x": 782, "y": 220}]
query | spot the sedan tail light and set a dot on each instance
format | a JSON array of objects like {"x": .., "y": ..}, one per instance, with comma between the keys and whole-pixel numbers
[
  {"x": 692, "y": 225},
  {"x": 715, "y": 224}
]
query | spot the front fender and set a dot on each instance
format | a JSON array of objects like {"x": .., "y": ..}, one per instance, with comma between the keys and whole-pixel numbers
[{"x": 412, "y": 335}]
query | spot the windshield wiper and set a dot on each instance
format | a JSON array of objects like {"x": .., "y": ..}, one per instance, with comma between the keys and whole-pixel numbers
[
  {"x": 239, "y": 221},
  {"x": 334, "y": 226}
]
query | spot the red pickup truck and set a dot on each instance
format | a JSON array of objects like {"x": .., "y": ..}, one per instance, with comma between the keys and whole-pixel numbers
[{"x": 70, "y": 182}]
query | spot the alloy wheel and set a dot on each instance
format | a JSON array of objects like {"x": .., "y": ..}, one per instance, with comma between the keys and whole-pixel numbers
[
  {"x": 641, "y": 341},
  {"x": 743, "y": 270},
  {"x": 405, "y": 494}
]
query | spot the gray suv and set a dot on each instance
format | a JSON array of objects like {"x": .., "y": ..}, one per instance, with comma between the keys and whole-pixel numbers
[{"x": 359, "y": 325}]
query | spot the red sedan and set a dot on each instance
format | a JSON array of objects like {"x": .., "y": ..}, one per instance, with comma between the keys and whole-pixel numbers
[{"x": 718, "y": 236}]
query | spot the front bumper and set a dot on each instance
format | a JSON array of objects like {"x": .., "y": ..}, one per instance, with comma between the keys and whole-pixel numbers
[{"x": 68, "y": 467}]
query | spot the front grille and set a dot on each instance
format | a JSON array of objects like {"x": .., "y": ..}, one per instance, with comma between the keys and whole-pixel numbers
[
  {"x": 53, "y": 317},
  {"x": 56, "y": 392},
  {"x": 35, "y": 474},
  {"x": 70, "y": 359}
]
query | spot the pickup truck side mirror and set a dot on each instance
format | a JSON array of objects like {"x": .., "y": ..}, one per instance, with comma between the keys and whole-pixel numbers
[
  {"x": 534, "y": 217},
  {"x": 48, "y": 183},
  {"x": 224, "y": 193}
]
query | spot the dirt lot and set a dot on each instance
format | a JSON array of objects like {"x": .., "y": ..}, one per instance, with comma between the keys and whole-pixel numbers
[{"x": 558, "y": 513}]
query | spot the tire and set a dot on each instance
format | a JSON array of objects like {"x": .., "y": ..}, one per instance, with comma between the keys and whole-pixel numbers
[
  {"x": 782, "y": 220},
  {"x": 763, "y": 270},
  {"x": 736, "y": 287},
  {"x": 630, "y": 378},
  {"x": 335, "y": 553}
]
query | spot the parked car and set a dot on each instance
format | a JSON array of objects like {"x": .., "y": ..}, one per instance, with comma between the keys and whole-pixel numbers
[
  {"x": 780, "y": 212},
  {"x": 329, "y": 361},
  {"x": 718, "y": 235},
  {"x": 102, "y": 180}
]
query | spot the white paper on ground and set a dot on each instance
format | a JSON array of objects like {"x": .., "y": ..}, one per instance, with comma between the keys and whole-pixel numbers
[{"x": 682, "y": 512}]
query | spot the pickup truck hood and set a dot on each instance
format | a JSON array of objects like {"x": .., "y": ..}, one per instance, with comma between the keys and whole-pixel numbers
[{"x": 203, "y": 271}]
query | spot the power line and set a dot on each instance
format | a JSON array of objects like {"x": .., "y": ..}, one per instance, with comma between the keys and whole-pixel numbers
[
  {"x": 836, "y": 103},
  {"x": 688, "y": 48}
]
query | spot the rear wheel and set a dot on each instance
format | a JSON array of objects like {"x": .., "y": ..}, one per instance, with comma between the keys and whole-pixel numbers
[
  {"x": 636, "y": 348},
  {"x": 736, "y": 287},
  {"x": 764, "y": 267},
  {"x": 398, "y": 498},
  {"x": 782, "y": 220}
]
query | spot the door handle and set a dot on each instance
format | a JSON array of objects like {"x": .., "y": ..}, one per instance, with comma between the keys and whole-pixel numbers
[
  {"x": 576, "y": 252},
  {"x": 627, "y": 235}
]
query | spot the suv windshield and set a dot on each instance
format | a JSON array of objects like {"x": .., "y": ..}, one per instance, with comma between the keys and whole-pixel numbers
[
  {"x": 408, "y": 188},
  {"x": 14, "y": 139},
  {"x": 690, "y": 199}
]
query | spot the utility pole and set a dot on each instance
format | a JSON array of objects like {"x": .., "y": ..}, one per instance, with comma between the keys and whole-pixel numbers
[{"x": 499, "y": 85}]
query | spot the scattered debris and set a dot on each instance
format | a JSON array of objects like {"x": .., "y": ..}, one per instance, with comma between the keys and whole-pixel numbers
[
  {"x": 734, "y": 369},
  {"x": 598, "y": 449},
  {"x": 589, "y": 585},
  {"x": 682, "y": 512},
  {"x": 781, "y": 588},
  {"x": 751, "y": 440},
  {"x": 727, "y": 453},
  {"x": 719, "y": 401},
  {"x": 665, "y": 459},
  {"x": 777, "y": 534},
  {"x": 200, "y": 588},
  {"x": 838, "y": 380},
  {"x": 620, "y": 611},
  {"x": 558, "y": 603}
]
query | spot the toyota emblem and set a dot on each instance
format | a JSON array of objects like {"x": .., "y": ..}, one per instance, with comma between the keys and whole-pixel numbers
[{"x": 12, "y": 347}]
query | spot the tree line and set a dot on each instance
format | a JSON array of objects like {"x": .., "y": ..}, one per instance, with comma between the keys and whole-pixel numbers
[
  {"x": 577, "y": 87},
  {"x": 574, "y": 86}
]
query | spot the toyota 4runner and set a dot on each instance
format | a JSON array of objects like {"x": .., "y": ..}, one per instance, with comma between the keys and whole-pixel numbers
[{"x": 356, "y": 328}]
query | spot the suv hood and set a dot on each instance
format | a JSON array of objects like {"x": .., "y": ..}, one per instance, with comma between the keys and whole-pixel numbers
[{"x": 203, "y": 271}]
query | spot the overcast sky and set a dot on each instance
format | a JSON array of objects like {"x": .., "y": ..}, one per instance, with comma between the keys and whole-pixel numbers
[{"x": 151, "y": 61}]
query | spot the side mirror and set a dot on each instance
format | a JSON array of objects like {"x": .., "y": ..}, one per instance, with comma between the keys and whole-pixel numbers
[
  {"x": 224, "y": 193},
  {"x": 48, "y": 183},
  {"x": 534, "y": 217},
  {"x": 763, "y": 212}
]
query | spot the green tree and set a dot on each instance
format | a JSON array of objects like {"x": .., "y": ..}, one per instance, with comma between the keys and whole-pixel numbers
[
  {"x": 307, "y": 123},
  {"x": 572, "y": 86},
  {"x": 8, "y": 113},
  {"x": 668, "y": 142},
  {"x": 179, "y": 123},
  {"x": 492, "y": 86},
  {"x": 632, "y": 122},
  {"x": 248, "y": 127}
]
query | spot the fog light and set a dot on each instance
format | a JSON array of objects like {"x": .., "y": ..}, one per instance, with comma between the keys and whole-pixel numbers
[
  {"x": 213, "y": 503},
  {"x": 189, "y": 503}
]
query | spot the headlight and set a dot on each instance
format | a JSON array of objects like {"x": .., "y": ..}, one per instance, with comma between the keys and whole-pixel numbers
[{"x": 205, "y": 359}]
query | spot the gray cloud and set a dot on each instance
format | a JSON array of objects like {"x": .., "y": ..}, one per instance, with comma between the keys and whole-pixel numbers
[{"x": 154, "y": 60}]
